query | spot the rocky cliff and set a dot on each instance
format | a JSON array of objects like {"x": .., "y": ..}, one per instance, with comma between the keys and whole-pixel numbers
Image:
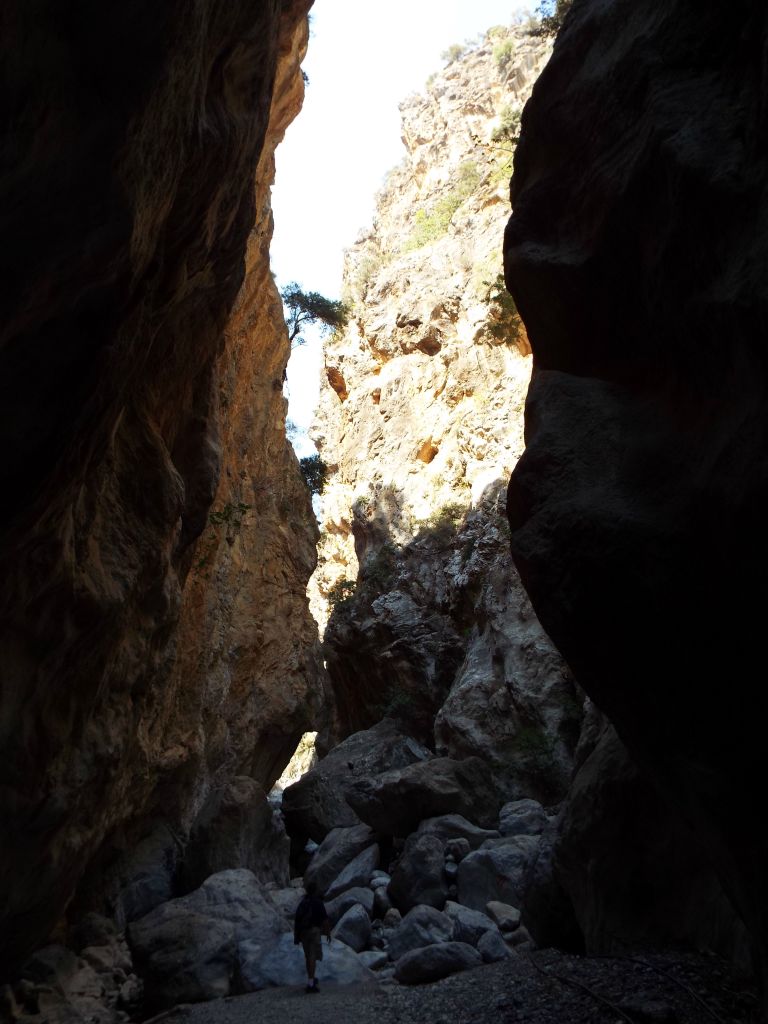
[
  {"x": 159, "y": 537},
  {"x": 420, "y": 423},
  {"x": 635, "y": 255}
]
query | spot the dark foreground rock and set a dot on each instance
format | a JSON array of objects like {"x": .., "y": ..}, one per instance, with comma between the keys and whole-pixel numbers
[
  {"x": 637, "y": 511},
  {"x": 430, "y": 963}
]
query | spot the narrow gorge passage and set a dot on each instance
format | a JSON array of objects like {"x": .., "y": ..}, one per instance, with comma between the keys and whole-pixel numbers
[{"x": 485, "y": 668}]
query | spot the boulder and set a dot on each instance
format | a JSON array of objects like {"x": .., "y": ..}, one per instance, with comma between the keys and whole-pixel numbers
[
  {"x": 522, "y": 818},
  {"x": 468, "y": 925},
  {"x": 430, "y": 963},
  {"x": 186, "y": 949},
  {"x": 421, "y": 926},
  {"x": 492, "y": 947},
  {"x": 357, "y": 873},
  {"x": 336, "y": 908},
  {"x": 285, "y": 900},
  {"x": 392, "y": 918},
  {"x": 381, "y": 902},
  {"x": 237, "y": 828},
  {"x": 374, "y": 959},
  {"x": 495, "y": 872},
  {"x": 504, "y": 915},
  {"x": 336, "y": 851},
  {"x": 283, "y": 964},
  {"x": 451, "y": 827},
  {"x": 316, "y": 803},
  {"x": 418, "y": 875},
  {"x": 354, "y": 928},
  {"x": 457, "y": 848},
  {"x": 394, "y": 803}
]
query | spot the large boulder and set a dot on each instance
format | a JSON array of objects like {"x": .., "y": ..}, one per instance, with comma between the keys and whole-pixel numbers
[
  {"x": 357, "y": 873},
  {"x": 637, "y": 511},
  {"x": 418, "y": 876},
  {"x": 434, "y": 962},
  {"x": 186, "y": 950},
  {"x": 283, "y": 964},
  {"x": 495, "y": 872},
  {"x": 354, "y": 928},
  {"x": 336, "y": 908},
  {"x": 522, "y": 818},
  {"x": 421, "y": 926},
  {"x": 455, "y": 826},
  {"x": 337, "y": 849},
  {"x": 492, "y": 947},
  {"x": 236, "y": 828},
  {"x": 317, "y": 802},
  {"x": 395, "y": 802},
  {"x": 468, "y": 925}
]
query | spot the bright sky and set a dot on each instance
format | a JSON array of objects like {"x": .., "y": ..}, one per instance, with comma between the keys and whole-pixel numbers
[{"x": 363, "y": 59}]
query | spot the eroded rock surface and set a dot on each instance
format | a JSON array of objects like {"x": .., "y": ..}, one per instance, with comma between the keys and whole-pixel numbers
[
  {"x": 635, "y": 254},
  {"x": 159, "y": 537},
  {"x": 420, "y": 424}
]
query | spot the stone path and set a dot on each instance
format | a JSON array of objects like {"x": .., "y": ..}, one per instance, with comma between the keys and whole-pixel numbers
[{"x": 529, "y": 989}]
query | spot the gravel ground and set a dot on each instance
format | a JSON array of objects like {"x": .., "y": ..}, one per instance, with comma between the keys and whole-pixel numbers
[{"x": 531, "y": 989}]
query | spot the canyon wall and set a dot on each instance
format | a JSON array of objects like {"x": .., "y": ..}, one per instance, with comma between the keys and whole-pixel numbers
[
  {"x": 155, "y": 640},
  {"x": 636, "y": 256},
  {"x": 420, "y": 423}
]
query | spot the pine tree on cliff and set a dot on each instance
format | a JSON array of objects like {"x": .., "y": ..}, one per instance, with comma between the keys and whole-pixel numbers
[{"x": 311, "y": 308}]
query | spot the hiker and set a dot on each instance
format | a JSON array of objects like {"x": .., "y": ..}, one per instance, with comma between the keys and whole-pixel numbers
[{"x": 311, "y": 921}]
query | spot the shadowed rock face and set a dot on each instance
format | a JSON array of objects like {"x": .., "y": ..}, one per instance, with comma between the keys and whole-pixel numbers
[
  {"x": 127, "y": 202},
  {"x": 636, "y": 255}
]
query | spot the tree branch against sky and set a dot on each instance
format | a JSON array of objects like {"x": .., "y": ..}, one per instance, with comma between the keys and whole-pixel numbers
[{"x": 305, "y": 308}]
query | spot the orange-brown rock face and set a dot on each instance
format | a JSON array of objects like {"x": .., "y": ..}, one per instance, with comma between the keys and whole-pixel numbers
[
  {"x": 636, "y": 254},
  {"x": 154, "y": 635}
]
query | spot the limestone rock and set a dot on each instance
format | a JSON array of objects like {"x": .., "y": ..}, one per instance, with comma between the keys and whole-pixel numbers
[
  {"x": 285, "y": 901},
  {"x": 492, "y": 947},
  {"x": 374, "y": 959},
  {"x": 316, "y": 803},
  {"x": 439, "y": 631},
  {"x": 283, "y": 964},
  {"x": 450, "y": 827},
  {"x": 354, "y": 928},
  {"x": 418, "y": 875},
  {"x": 336, "y": 908},
  {"x": 187, "y": 949},
  {"x": 237, "y": 828},
  {"x": 434, "y": 962},
  {"x": 637, "y": 505},
  {"x": 617, "y": 825},
  {"x": 394, "y": 803},
  {"x": 357, "y": 873},
  {"x": 505, "y": 916},
  {"x": 522, "y": 818},
  {"x": 339, "y": 848},
  {"x": 495, "y": 872},
  {"x": 141, "y": 336},
  {"x": 421, "y": 926},
  {"x": 468, "y": 925}
]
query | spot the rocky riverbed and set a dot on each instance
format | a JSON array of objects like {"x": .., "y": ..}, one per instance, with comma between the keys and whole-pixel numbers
[{"x": 544, "y": 987}]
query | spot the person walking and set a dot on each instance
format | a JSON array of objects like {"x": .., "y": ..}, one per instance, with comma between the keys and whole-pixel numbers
[{"x": 310, "y": 923}]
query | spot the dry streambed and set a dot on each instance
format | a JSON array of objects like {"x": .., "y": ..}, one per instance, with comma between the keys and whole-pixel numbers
[{"x": 543, "y": 987}]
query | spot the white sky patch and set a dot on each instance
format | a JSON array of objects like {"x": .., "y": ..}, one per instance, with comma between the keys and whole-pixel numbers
[{"x": 362, "y": 61}]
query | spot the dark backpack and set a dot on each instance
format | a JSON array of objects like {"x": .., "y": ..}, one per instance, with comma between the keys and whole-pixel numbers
[{"x": 310, "y": 913}]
